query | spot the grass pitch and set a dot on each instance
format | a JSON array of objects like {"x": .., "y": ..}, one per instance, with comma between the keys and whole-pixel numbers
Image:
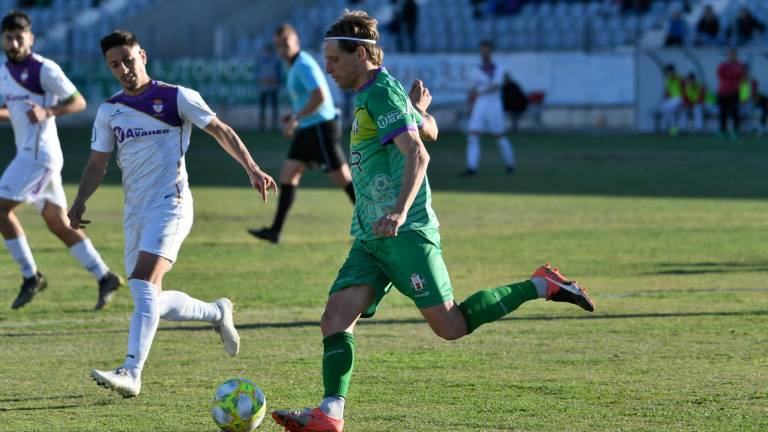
[{"x": 669, "y": 235}]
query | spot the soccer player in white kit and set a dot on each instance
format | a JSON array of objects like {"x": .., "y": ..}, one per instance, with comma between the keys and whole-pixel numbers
[
  {"x": 487, "y": 116},
  {"x": 35, "y": 91},
  {"x": 150, "y": 124}
]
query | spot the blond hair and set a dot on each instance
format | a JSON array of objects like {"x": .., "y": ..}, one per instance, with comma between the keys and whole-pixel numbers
[{"x": 359, "y": 25}]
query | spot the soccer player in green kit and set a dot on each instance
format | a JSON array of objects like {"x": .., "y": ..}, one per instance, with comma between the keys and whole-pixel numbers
[{"x": 397, "y": 242}]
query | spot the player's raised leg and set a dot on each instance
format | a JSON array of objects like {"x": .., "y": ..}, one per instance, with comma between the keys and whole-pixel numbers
[
  {"x": 82, "y": 249},
  {"x": 16, "y": 242},
  {"x": 490, "y": 305}
]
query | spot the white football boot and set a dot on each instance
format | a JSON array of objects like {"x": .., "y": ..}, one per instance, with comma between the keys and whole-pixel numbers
[
  {"x": 226, "y": 327},
  {"x": 118, "y": 380}
]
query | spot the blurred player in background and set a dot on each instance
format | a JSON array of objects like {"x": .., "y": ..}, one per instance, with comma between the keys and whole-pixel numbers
[
  {"x": 150, "y": 124},
  {"x": 487, "y": 116},
  {"x": 312, "y": 124},
  {"x": 35, "y": 91},
  {"x": 397, "y": 242},
  {"x": 672, "y": 103}
]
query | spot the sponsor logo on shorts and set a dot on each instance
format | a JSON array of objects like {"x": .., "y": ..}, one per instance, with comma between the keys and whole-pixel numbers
[{"x": 417, "y": 282}]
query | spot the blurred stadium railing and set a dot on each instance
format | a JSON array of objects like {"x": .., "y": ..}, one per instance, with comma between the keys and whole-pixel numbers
[{"x": 595, "y": 64}]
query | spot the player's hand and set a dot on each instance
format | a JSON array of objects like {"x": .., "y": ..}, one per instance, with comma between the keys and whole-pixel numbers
[
  {"x": 290, "y": 123},
  {"x": 36, "y": 113},
  {"x": 262, "y": 182},
  {"x": 420, "y": 96},
  {"x": 388, "y": 224},
  {"x": 472, "y": 97},
  {"x": 75, "y": 215}
]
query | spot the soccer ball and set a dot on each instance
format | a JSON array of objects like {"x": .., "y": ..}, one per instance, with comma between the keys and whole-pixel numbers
[{"x": 238, "y": 406}]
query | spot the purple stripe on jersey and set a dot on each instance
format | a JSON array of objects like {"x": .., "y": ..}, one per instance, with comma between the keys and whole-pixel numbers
[
  {"x": 370, "y": 81},
  {"x": 27, "y": 73},
  {"x": 388, "y": 137},
  {"x": 158, "y": 101}
]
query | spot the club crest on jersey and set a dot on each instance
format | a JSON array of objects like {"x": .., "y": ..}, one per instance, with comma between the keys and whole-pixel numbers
[
  {"x": 417, "y": 282},
  {"x": 25, "y": 75},
  {"x": 158, "y": 105}
]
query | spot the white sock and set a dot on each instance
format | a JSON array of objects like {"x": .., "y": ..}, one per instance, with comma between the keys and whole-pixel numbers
[
  {"x": 144, "y": 321},
  {"x": 333, "y": 407},
  {"x": 505, "y": 148},
  {"x": 89, "y": 258},
  {"x": 473, "y": 152},
  {"x": 541, "y": 286},
  {"x": 22, "y": 254},
  {"x": 177, "y": 306}
]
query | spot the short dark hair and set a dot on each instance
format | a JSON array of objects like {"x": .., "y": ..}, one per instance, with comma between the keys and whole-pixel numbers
[
  {"x": 16, "y": 21},
  {"x": 486, "y": 43},
  {"x": 285, "y": 28},
  {"x": 118, "y": 38}
]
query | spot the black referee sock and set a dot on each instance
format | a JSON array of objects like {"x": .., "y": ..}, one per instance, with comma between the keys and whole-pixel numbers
[
  {"x": 287, "y": 195},
  {"x": 350, "y": 190}
]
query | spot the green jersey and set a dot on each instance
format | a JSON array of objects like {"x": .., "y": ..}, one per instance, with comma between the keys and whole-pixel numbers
[{"x": 382, "y": 112}]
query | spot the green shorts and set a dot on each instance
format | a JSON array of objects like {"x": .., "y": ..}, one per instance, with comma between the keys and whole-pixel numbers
[{"x": 412, "y": 261}]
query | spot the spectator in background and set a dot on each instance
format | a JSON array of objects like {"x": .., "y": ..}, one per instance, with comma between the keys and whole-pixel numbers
[
  {"x": 694, "y": 94},
  {"x": 749, "y": 98},
  {"x": 478, "y": 8},
  {"x": 708, "y": 28},
  {"x": 635, "y": 6},
  {"x": 404, "y": 25},
  {"x": 673, "y": 100},
  {"x": 730, "y": 73},
  {"x": 746, "y": 26},
  {"x": 677, "y": 30},
  {"x": 270, "y": 76}
]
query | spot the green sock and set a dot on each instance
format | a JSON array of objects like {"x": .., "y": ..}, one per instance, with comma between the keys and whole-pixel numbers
[
  {"x": 338, "y": 360},
  {"x": 489, "y": 305}
]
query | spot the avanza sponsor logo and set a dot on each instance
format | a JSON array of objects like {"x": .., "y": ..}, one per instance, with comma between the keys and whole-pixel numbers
[{"x": 124, "y": 134}]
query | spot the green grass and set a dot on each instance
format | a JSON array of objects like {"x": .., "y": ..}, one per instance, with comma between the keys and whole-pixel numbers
[{"x": 669, "y": 236}]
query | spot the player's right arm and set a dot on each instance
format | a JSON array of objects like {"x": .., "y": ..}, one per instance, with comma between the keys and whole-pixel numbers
[
  {"x": 102, "y": 144},
  {"x": 4, "y": 113},
  {"x": 93, "y": 174}
]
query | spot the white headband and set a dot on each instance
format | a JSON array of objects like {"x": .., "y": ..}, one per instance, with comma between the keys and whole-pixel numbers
[{"x": 368, "y": 41}]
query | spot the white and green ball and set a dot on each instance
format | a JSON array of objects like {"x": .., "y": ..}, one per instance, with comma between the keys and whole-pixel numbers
[{"x": 238, "y": 406}]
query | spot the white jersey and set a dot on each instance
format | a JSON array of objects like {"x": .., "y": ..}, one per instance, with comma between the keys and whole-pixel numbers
[
  {"x": 152, "y": 133},
  {"x": 483, "y": 78},
  {"x": 39, "y": 80}
]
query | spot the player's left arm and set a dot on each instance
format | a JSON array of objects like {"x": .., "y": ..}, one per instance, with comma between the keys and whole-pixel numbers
[
  {"x": 416, "y": 162},
  {"x": 232, "y": 144},
  {"x": 421, "y": 99},
  {"x": 71, "y": 105},
  {"x": 291, "y": 121},
  {"x": 53, "y": 81}
]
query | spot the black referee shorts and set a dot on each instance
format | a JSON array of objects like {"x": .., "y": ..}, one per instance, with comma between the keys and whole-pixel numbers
[{"x": 318, "y": 145}]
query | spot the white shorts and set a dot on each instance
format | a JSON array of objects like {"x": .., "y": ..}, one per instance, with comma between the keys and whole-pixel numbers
[
  {"x": 159, "y": 231},
  {"x": 487, "y": 118},
  {"x": 32, "y": 183}
]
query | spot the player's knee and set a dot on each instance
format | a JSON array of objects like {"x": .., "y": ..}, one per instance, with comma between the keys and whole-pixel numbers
[{"x": 449, "y": 332}]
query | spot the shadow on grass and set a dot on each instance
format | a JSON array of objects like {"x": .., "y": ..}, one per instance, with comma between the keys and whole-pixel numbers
[
  {"x": 45, "y": 406},
  {"x": 388, "y": 322},
  {"x": 710, "y": 268}
]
